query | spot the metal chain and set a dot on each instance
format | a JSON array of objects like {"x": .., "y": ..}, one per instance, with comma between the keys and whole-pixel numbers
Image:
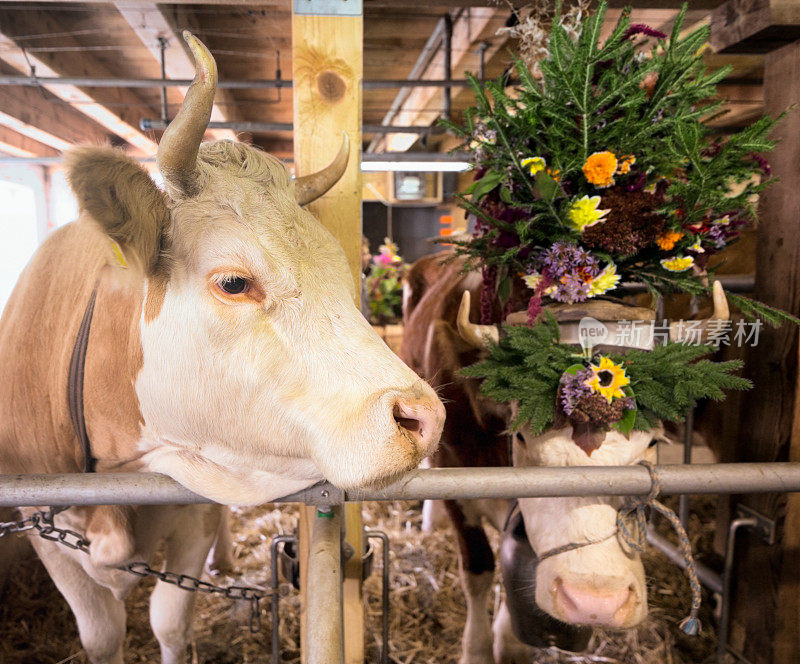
[{"x": 43, "y": 523}]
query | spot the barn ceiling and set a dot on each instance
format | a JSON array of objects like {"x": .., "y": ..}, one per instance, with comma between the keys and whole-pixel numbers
[{"x": 253, "y": 41}]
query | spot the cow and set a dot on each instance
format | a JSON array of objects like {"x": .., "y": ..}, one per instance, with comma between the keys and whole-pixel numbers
[
  {"x": 598, "y": 584},
  {"x": 225, "y": 350}
]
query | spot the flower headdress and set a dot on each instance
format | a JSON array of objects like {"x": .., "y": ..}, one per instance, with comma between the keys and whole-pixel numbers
[{"x": 599, "y": 169}]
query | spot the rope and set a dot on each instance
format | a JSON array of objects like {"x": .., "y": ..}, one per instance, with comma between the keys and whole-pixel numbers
[{"x": 636, "y": 507}]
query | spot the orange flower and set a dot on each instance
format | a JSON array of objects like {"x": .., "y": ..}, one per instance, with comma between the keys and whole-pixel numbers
[
  {"x": 668, "y": 239},
  {"x": 625, "y": 164},
  {"x": 600, "y": 167}
]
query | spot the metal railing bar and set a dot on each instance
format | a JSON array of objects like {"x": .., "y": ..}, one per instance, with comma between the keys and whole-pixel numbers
[{"x": 436, "y": 483}]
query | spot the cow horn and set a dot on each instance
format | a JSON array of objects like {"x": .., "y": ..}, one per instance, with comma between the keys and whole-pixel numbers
[
  {"x": 708, "y": 330},
  {"x": 475, "y": 335},
  {"x": 177, "y": 151},
  {"x": 308, "y": 188}
]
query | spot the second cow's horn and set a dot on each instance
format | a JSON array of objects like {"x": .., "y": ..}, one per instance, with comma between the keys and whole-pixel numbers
[
  {"x": 310, "y": 187},
  {"x": 177, "y": 151},
  {"x": 474, "y": 334},
  {"x": 705, "y": 331}
]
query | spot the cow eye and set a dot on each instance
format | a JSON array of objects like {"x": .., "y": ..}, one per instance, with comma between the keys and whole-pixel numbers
[
  {"x": 234, "y": 285},
  {"x": 654, "y": 442},
  {"x": 520, "y": 438}
]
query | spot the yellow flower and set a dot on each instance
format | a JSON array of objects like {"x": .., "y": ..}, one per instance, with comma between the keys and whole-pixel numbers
[
  {"x": 677, "y": 263},
  {"x": 605, "y": 281},
  {"x": 600, "y": 167},
  {"x": 534, "y": 164},
  {"x": 668, "y": 239},
  {"x": 608, "y": 379},
  {"x": 584, "y": 213},
  {"x": 625, "y": 164}
]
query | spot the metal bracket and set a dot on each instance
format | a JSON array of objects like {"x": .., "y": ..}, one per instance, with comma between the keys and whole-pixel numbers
[
  {"x": 764, "y": 527},
  {"x": 323, "y": 496},
  {"x": 328, "y": 7}
]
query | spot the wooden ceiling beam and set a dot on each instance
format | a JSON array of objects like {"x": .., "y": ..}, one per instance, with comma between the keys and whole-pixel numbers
[
  {"x": 468, "y": 29},
  {"x": 123, "y": 122},
  {"x": 45, "y": 118},
  {"x": 754, "y": 26},
  {"x": 150, "y": 24},
  {"x": 19, "y": 145}
]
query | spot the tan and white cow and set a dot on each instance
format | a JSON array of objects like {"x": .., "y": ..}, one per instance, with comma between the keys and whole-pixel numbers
[
  {"x": 600, "y": 584},
  {"x": 228, "y": 354}
]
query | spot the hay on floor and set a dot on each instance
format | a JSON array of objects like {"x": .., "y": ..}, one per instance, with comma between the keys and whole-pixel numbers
[{"x": 427, "y": 605}]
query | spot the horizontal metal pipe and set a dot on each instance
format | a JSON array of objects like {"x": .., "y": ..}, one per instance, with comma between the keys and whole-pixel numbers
[
  {"x": 256, "y": 127},
  {"x": 437, "y": 483},
  {"x": 447, "y": 483},
  {"x": 708, "y": 577},
  {"x": 251, "y": 84}
]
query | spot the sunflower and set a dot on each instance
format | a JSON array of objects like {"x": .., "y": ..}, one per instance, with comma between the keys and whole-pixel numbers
[{"x": 608, "y": 379}]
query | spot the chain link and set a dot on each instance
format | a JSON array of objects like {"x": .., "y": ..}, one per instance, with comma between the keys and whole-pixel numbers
[{"x": 43, "y": 523}]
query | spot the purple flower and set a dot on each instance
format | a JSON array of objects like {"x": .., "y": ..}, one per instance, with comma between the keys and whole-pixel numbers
[
  {"x": 566, "y": 257},
  {"x": 642, "y": 29},
  {"x": 571, "y": 288},
  {"x": 574, "y": 388},
  {"x": 763, "y": 164}
]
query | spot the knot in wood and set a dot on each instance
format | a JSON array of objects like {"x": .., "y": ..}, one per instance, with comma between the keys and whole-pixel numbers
[{"x": 331, "y": 86}]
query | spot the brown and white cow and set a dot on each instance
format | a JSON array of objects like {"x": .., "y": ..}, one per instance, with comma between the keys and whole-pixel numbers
[
  {"x": 228, "y": 354},
  {"x": 601, "y": 584}
]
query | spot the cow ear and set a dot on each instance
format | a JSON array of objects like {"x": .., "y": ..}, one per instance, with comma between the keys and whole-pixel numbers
[{"x": 120, "y": 196}]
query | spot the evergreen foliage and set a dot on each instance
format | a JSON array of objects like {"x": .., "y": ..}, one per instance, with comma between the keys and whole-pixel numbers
[{"x": 529, "y": 362}]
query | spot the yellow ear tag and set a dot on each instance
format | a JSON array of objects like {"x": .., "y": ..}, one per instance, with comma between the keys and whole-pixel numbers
[{"x": 118, "y": 254}]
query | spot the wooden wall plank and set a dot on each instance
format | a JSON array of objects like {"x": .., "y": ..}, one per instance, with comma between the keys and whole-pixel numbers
[{"x": 766, "y": 585}]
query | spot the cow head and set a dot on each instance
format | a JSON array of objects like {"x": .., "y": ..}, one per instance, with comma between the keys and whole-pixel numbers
[
  {"x": 603, "y": 582},
  {"x": 259, "y": 374}
]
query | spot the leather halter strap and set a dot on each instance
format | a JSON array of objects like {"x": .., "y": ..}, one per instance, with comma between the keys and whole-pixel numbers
[{"x": 77, "y": 366}]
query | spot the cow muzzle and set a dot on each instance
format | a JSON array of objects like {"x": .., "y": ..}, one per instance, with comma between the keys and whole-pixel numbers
[{"x": 583, "y": 604}]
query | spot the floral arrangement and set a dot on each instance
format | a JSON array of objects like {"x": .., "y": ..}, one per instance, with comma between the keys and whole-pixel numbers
[
  {"x": 634, "y": 389},
  {"x": 597, "y": 168},
  {"x": 384, "y": 284}
]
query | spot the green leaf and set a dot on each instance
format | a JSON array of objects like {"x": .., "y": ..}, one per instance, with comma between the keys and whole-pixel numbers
[
  {"x": 546, "y": 186},
  {"x": 488, "y": 182}
]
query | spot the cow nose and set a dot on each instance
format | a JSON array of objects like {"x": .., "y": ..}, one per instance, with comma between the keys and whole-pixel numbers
[
  {"x": 421, "y": 419},
  {"x": 585, "y": 605}
]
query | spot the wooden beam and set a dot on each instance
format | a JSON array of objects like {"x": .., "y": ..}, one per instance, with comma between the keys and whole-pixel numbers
[
  {"x": 151, "y": 25},
  {"x": 46, "y": 119},
  {"x": 766, "y": 602},
  {"x": 123, "y": 121},
  {"x": 327, "y": 72},
  {"x": 754, "y": 26},
  {"x": 19, "y": 145},
  {"x": 468, "y": 31}
]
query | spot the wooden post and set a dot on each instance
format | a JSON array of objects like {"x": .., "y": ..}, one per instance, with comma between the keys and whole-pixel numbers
[
  {"x": 766, "y": 603},
  {"x": 327, "y": 73}
]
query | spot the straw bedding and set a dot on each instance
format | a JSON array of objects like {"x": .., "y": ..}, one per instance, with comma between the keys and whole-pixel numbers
[{"x": 427, "y": 617}]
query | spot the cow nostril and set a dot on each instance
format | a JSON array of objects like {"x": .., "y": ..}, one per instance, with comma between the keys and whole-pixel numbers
[{"x": 411, "y": 424}]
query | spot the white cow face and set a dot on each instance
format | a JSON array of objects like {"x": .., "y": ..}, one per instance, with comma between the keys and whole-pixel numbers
[
  {"x": 260, "y": 375},
  {"x": 600, "y": 584}
]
